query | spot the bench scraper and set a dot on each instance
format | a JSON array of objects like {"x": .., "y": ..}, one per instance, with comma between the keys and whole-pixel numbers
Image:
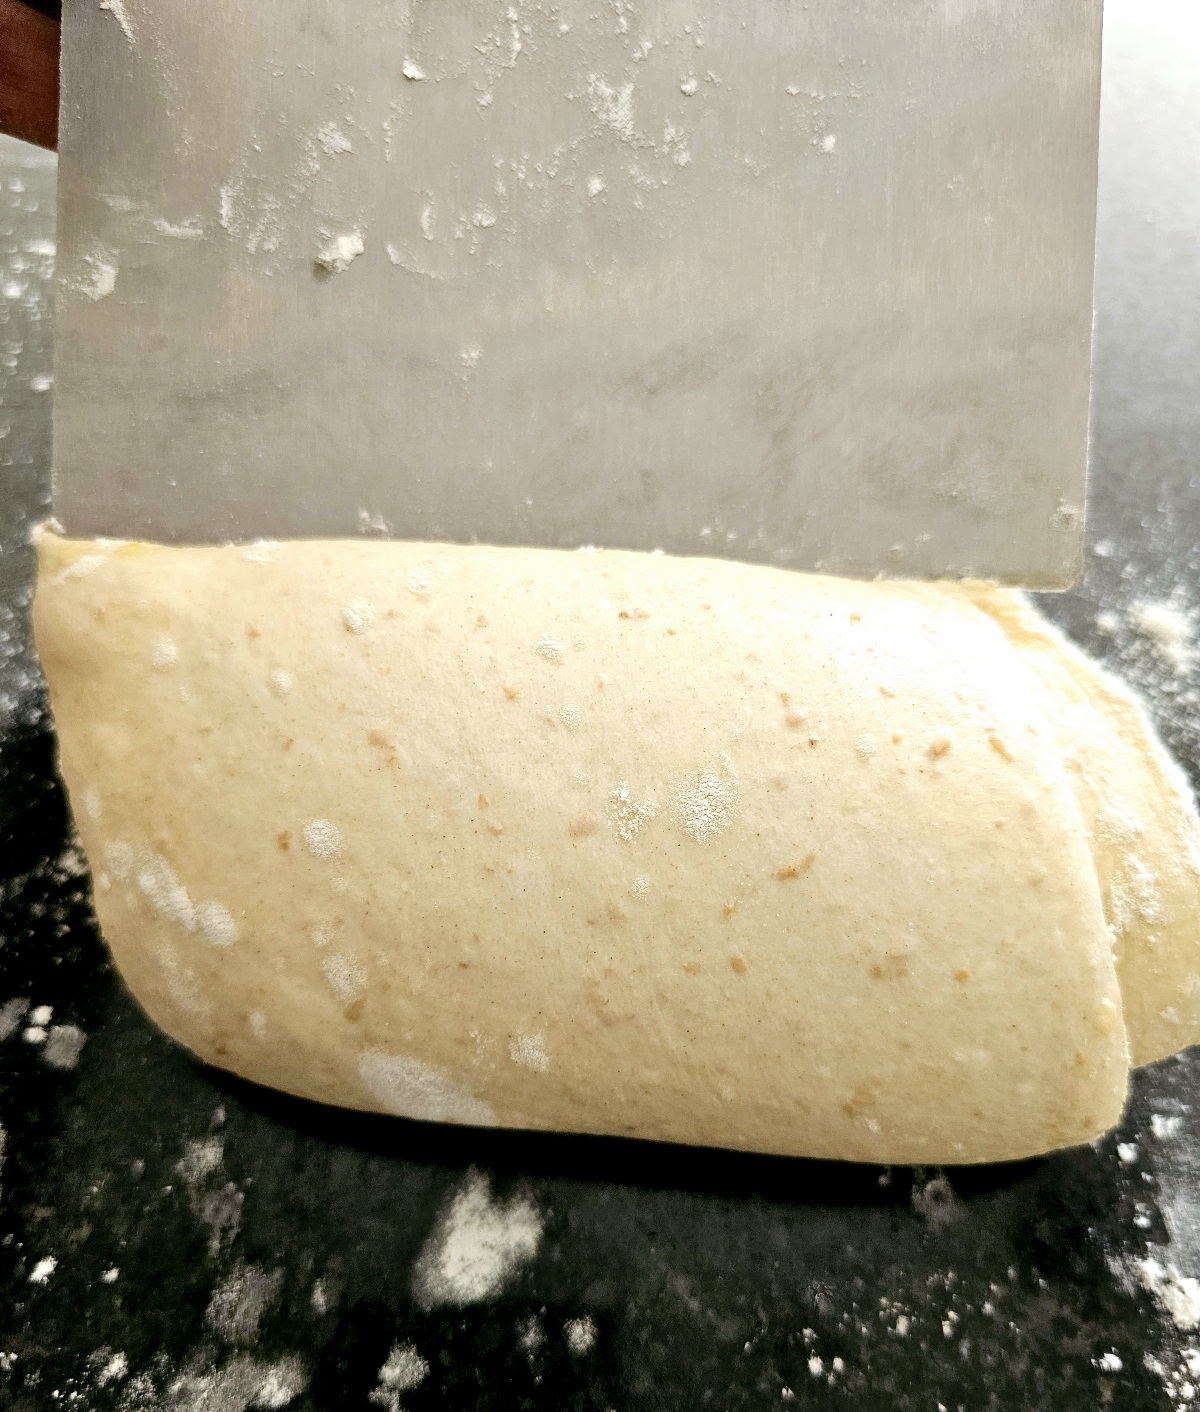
[{"x": 808, "y": 284}]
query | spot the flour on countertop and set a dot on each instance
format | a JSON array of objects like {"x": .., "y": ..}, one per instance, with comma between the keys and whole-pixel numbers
[
  {"x": 242, "y": 1383},
  {"x": 580, "y": 1335},
  {"x": 64, "y": 1045},
  {"x": 239, "y": 1302},
  {"x": 477, "y": 1246},
  {"x": 12, "y": 1012},
  {"x": 1168, "y": 629},
  {"x": 216, "y": 1203},
  {"x": 1178, "y": 1294},
  {"x": 404, "y": 1370},
  {"x": 110, "y": 1367},
  {"x": 1163, "y": 1127}
]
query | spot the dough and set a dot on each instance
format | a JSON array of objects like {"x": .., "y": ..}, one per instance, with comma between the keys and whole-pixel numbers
[{"x": 623, "y": 843}]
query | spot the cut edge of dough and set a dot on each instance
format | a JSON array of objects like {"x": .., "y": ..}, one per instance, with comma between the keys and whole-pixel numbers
[{"x": 1157, "y": 949}]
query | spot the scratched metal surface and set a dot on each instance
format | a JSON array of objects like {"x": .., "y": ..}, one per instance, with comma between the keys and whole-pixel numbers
[{"x": 712, "y": 1279}]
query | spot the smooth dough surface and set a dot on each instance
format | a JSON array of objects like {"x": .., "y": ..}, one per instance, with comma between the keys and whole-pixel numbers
[{"x": 618, "y": 843}]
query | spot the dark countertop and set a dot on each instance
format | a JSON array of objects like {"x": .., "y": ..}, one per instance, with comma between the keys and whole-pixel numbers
[{"x": 711, "y": 1279}]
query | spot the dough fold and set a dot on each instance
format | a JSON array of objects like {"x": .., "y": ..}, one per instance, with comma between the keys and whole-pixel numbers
[{"x": 617, "y": 843}]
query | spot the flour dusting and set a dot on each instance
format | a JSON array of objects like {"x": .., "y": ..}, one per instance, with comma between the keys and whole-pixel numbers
[
  {"x": 116, "y": 8},
  {"x": 12, "y": 1012},
  {"x": 404, "y": 1370},
  {"x": 1168, "y": 630},
  {"x": 64, "y": 1045},
  {"x": 704, "y": 803},
  {"x": 1178, "y": 1295},
  {"x": 346, "y": 975},
  {"x": 580, "y": 1335},
  {"x": 410, "y": 1089},
  {"x": 339, "y": 252},
  {"x": 476, "y": 1247},
  {"x": 529, "y": 1051},
  {"x": 626, "y": 815},
  {"x": 322, "y": 838},
  {"x": 240, "y": 1300}
]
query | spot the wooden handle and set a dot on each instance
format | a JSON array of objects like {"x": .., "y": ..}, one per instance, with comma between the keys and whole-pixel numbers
[{"x": 28, "y": 73}]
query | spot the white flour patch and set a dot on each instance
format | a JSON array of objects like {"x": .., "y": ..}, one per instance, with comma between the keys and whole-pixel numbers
[
  {"x": 12, "y": 1012},
  {"x": 346, "y": 975},
  {"x": 191, "y": 229},
  {"x": 1117, "y": 823},
  {"x": 262, "y": 551},
  {"x": 333, "y": 140},
  {"x": 476, "y": 1247},
  {"x": 83, "y": 566},
  {"x": 1133, "y": 893},
  {"x": 116, "y": 8},
  {"x": 529, "y": 1051},
  {"x": 412, "y": 71},
  {"x": 704, "y": 803},
  {"x": 322, "y": 839},
  {"x": 41, "y": 1014},
  {"x": 404, "y": 1370},
  {"x": 1178, "y": 1295},
  {"x": 612, "y": 107},
  {"x": 99, "y": 278},
  {"x": 110, "y": 1367},
  {"x": 64, "y": 1045},
  {"x": 216, "y": 1203},
  {"x": 420, "y": 580},
  {"x": 1165, "y": 1127},
  {"x": 164, "y": 653},
  {"x": 1168, "y": 630},
  {"x": 358, "y": 617},
  {"x": 239, "y": 1302},
  {"x": 216, "y": 925},
  {"x": 626, "y": 815},
  {"x": 119, "y": 858},
  {"x": 551, "y": 649},
  {"x": 281, "y": 683},
  {"x": 183, "y": 986},
  {"x": 157, "y": 883},
  {"x": 409, "y": 1089},
  {"x": 580, "y": 1335},
  {"x": 339, "y": 252},
  {"x": 42, "y": 1271},
  {"x": 242, "y": 1383}
]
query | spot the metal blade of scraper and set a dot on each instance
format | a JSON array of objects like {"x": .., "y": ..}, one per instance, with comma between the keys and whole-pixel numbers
[{"x": 801, "y": 283}]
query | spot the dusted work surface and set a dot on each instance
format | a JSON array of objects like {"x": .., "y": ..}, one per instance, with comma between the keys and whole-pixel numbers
[{"x": 622, "y": 1275}]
